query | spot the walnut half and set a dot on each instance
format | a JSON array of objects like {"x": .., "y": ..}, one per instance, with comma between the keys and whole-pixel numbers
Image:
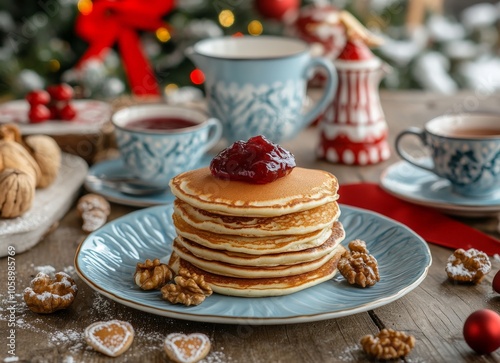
[
  {"x": 388, "y": 344},
  {"x": 152, "y": 275},
  {"x": 358, "y": 266},
  {"x": 94, "y": 211},
  {"x": 46, "y": 295},
  {"x": 468, "y": 266},
  {"x": 188, "y": 289}
]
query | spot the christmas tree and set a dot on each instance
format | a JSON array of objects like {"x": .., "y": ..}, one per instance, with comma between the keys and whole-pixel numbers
[{"x": 40, "y": 43}]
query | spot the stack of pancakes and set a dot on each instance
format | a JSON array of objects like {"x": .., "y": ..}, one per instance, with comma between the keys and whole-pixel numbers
[{"x": 257, "y": 239}]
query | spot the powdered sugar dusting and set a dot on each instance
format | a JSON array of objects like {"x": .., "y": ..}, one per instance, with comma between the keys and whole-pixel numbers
[
  {"x": 216, "y": 357},
  {"x": 47, "y": 269},
  {"x": 69, "y": 337},
  {"x": 346, "y": 355}
]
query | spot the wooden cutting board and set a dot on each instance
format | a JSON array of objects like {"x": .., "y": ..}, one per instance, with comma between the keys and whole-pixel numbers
[{"x": 49, "y": 206}]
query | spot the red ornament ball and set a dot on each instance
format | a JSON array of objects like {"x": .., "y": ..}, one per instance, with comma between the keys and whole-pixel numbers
[
  {"x": 38, "y": 113},
  {"x": 67, "y": 112},
  {"x": 496, "y": 282},
  {"x": 276, "y": 9},
  {"x": 482, "y": 331},
  {"x": 38, "y": 97},
  {"x": 60, "y": 92}
]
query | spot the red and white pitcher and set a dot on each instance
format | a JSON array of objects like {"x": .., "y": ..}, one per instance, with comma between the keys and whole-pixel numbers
[{"x": 353, "y": 129}]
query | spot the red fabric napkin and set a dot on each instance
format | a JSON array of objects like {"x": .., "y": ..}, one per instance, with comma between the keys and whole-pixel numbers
[{"x": 430, "y": 224}]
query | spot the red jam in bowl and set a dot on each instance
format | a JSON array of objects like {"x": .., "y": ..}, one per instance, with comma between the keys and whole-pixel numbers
[{"x": 256, "y": 161}]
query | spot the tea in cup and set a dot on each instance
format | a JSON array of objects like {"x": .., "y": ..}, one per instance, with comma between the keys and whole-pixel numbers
[
  {"x": 465, "y": 149},
  {"x": 158, "y": 141},
  {"x": 257, "y": 85}
]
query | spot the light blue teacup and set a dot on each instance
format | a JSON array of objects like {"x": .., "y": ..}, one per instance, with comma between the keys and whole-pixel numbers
[
  {"x": 465, "y": 149},
  {"x": 257, "y": 85},
  {"x": 158, "y": 141}
]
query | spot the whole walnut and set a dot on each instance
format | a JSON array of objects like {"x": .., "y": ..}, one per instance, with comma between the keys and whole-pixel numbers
[
  {"x": 10, "y": 132},
  {"x": 15, "y": 156},
  {"x": 47, "y": 154},
  {"x": 17, "y": 191}
]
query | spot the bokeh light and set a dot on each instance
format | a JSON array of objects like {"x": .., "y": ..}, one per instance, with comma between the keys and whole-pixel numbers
[
  {"x": 163, "y": 34},
  {"x": 226, "y": 18},
  {"x": 54, "y": 65},
  {"x": 197, "y": 76},
  {"x": 85, "y": 6},
  {"x": 255, "y": 28},
  {"x": 171, "y": 87}
]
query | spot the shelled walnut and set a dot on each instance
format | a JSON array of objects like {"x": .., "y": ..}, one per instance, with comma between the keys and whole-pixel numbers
[
  {"x": 388, "y": 344},
  {"x": 358, "y": 266},
  {"x": 188, "y": 289},
  {"x": 46, "y": 295},
  {"x": 94, "y": 211},
  {"x": 468, "y": 266},
  {"x": 152, "y": 275}
]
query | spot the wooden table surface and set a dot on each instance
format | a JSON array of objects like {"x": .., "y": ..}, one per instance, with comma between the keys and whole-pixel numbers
[{"x": 434, "y": 312}]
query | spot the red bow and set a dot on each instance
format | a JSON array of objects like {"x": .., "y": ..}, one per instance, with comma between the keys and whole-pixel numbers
[{"x": 118, "y": 21}]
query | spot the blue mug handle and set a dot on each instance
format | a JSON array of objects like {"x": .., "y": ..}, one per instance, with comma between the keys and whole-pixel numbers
[
  {"x": 214, "y": 134},
  {"x": 405, "y": 155},
  {"x": 329, "y": 89}
]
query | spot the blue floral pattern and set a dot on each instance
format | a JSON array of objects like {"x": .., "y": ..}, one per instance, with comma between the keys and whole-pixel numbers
[
  {"x": 160, "y": 157},
  {"x": 273, "y": 111},
  {"x": 473, "y": 167}
]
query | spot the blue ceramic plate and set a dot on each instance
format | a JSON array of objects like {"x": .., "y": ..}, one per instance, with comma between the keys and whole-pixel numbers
[
  {"x": 116, "y": 168},
  {"x": 420, "y": 186},
  {"x": 106, "y": 261}
]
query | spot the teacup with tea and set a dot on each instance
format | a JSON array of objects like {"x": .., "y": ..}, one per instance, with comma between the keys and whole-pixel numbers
[
  {"x": 158, "y": 141},
  {"x": 465, "y": 149}
]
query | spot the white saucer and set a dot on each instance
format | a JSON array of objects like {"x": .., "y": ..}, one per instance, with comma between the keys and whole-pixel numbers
[
  {"x": 116, "y": 168},
  {"x": 422, "y": 187}
]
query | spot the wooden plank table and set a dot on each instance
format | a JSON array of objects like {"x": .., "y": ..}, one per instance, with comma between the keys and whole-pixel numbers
[{"x": 434, "y": 312}]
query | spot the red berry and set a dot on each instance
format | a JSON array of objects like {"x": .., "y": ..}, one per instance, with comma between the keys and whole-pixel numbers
[
  {"x": 38, "y": 97},
  {"x": 257, "y": 161},
  {"x": 38, "y": 113},
  {"x": 482, "y": 331},
  {"x": 68, "y": 112},
  {"x": 54, "y": 111},
  {"x": 61, "y": 92},
  {"x": 496, "y": 282}
]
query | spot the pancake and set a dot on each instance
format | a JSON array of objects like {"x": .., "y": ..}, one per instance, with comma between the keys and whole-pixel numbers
[
  {"x": 289, "y": 224},
  {"x": 277, "y": 259},
  {"x": 255, "y": 245},
  {"x": 273, "y": 259},
  {"x": 262, "y": 287},
  {"x": 227, "y": 269},
  {"x": 300, "y": 190}
]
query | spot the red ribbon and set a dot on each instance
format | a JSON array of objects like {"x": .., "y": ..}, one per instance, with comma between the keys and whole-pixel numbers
[{"x": 118, "y": 21}]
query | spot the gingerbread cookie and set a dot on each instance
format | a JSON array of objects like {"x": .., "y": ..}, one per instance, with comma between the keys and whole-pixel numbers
[
  {"x": 182, "y": 348},
  {"x": 112, "y": 337}
]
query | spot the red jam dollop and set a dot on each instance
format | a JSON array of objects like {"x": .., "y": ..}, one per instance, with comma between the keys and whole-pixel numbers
[{"x": 256, "y": 161}]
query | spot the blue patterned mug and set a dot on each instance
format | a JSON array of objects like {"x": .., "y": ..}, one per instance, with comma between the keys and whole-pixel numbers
[
  {"x": 465, "y": 149},
  {"x": 257, "y": 85},
  {"x": 158, "y": 141}
]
